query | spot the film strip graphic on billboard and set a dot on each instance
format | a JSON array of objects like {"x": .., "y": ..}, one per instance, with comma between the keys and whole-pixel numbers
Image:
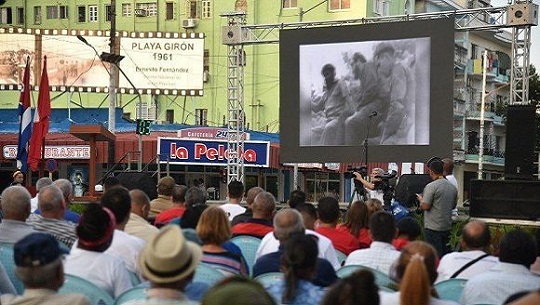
[{"x": 155, "y": 62}]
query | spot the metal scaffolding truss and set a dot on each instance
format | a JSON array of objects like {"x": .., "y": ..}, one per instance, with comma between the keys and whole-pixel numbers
[
  {"x": 238, "y": 34},
  {"x": 235, "y": 96}
]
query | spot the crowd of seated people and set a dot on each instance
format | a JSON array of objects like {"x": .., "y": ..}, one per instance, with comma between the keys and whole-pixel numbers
[{"x": 119, "y": 246}]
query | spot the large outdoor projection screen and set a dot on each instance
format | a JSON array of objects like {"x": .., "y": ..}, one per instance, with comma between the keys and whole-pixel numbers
[{"x": 392, "y": 92}]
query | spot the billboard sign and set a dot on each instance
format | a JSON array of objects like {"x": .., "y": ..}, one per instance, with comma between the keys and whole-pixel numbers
[
  {"x": 210, "y": 152},
  {"x": 163, "y": 63},
  {"x": 79, "y": 152}
]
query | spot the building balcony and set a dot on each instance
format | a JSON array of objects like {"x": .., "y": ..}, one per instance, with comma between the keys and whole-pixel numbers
[
  {"x": 494, "y": 73},
  {"x": 493, "y": 157}
]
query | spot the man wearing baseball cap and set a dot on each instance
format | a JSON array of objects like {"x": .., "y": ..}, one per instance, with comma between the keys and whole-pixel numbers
[{"x": 39, "y": 266}]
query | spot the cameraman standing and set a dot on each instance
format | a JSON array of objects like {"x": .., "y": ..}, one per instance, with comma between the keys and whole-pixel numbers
[{"x": 375, "y": 187}]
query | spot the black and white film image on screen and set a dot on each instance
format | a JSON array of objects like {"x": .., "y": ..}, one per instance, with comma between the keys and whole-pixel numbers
[{"x": 374, "y": 90}]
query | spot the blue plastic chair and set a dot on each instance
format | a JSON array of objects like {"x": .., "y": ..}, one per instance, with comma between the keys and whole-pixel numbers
[
  {"x": 450, "y": 289},
  {"x": 96, "y": 295},
  {"x": 137, "y": 293},
  {"x": 267, "y": 279},
  {"x": 381, "y": 279},
  {"x": 248, "y": 245},
  {"x": 6, "y": 257},
  {"x": 207, "y": 274}
]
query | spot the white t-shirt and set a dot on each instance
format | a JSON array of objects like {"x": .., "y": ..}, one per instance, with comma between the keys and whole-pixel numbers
[
  {"x": 452, "y": 262},
  {"x": 232, "y": 209},
  {"x": 104, "y": 270},
  {"x": 270, "y": 244}
]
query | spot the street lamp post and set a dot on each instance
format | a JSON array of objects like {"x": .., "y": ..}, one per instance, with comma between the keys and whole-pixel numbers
[
  {"x": 115, "y": 59},
  {"x": 482, "y": 105}
]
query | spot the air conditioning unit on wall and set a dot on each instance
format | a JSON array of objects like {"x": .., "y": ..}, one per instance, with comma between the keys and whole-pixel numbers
[{"x": 189, "y": 23}]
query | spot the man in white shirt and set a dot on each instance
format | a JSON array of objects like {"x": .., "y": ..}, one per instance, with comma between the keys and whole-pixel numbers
[
  {"x": 448, "y": 171},
  {"x": 381, "y": 254},
  {"x": 475, "y": 238},
  {"x": 517, "y": 251},
  {"x": 270, "y": 244},
  {"x": 124, "y": 246},
  {"x": 88, "y": 259},
  {"x": 235, "y": 192},
  {"x": 41, "y": 183}
]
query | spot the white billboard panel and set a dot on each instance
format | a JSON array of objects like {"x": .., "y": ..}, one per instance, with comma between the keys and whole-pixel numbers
[{"x": 163, "y": 63}]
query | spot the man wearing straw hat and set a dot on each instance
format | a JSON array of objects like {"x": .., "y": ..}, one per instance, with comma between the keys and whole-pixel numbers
[{"x": 168, "y": 261}]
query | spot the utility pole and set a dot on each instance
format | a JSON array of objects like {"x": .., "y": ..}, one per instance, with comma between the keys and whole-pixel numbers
[
  {"x": 114, "y": 69},
  {"x": 113, "y": 76},
  {"x": 482, "y": 114}
]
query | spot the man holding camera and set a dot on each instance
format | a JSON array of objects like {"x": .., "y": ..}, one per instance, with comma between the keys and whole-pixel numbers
[
  {"x": 374, "y": 186},
  {"x": 438, "y": 200}
]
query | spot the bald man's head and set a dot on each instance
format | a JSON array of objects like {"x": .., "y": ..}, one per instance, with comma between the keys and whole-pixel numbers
[
  {"x": 286, "y": 223},
  {"x": 475, "y": 235},
  {"x": 140, "y": 203}
]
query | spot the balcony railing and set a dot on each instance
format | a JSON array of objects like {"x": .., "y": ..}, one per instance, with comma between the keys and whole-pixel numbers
[{"x": 490, "y": 156}]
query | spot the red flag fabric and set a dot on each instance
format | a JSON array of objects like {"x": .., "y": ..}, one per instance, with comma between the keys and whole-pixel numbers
[{"x": 41, "y": 120}]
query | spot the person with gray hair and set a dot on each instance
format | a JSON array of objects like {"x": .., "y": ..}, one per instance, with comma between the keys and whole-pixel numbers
[
  {"x": 270, "y": 243},
  {"x": 41, "y": 183},
  {"x": 374, "y": 185},
  {"x": 260, "y": 223},
  {"x": 67, "y": 190},
  {"x": 51, "y": 220},
  {"x": 195, "y": 205},
  {"x": 39, "y": 266},
  {"x": 16, "y": 207},
  {"x": 289, "y": 223}
]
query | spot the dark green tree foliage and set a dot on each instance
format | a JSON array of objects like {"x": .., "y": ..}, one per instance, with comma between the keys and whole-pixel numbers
[{"x": 534, "y": 96}]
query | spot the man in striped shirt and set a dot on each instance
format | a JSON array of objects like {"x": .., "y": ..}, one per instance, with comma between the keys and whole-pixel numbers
[{"x": 51, "y": 220}]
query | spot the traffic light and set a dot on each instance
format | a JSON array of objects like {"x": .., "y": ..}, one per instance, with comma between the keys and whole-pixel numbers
[
  {"x": 143, "y": 127},
  {"x": 223, "y": 174}
]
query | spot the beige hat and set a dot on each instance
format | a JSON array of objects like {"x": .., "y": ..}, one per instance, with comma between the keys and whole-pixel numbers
[{"x": 169, "y": 257}]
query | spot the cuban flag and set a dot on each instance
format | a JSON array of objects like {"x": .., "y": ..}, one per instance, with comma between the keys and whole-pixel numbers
[
  {"x": 41, "y": 120},
  {"x": 25, "y": 120}
]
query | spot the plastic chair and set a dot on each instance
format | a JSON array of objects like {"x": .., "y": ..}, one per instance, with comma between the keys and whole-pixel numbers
[
  {"x": 450, "y": 289},
  {"x": 341, "y": 257},
  {"x": 248, "y": 245},
  {"x": 381, "y": 279},
  {"x": 207, "y": 274},
  {"x": 267, "y": 279},
  {"x": 6, "y": 257},
  {"x": 96, "y": 295},
  {"x": 137, "y": 293}
]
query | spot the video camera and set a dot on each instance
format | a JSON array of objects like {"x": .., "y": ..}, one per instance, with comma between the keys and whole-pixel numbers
[
  {"x": 386, "y": 186},
  {"x": 388, "y": 175},
  {"x": 349, "y": 174}
]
